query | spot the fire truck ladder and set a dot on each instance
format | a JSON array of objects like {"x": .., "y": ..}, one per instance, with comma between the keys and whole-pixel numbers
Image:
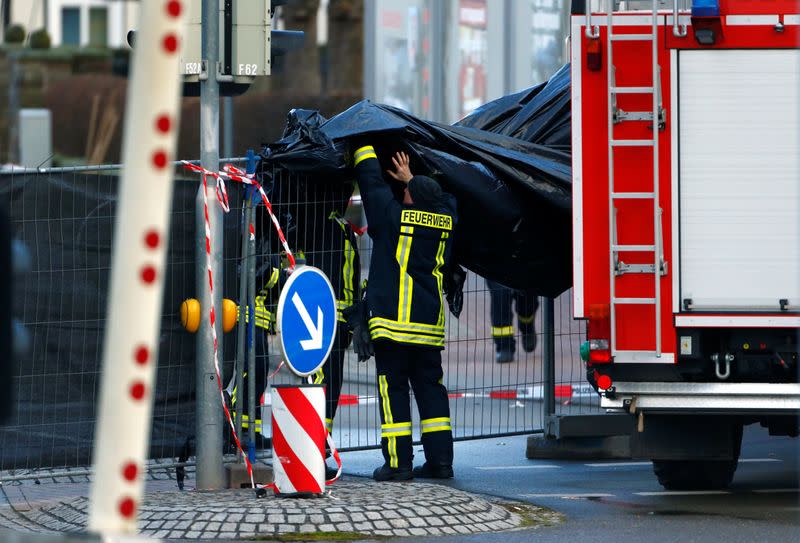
[{"x": 615, "y": 116}]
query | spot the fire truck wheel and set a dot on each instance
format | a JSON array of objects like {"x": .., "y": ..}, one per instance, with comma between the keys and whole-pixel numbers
[
  {"x": 699, "y": 474},
  {"x": 694, "y": 474}
]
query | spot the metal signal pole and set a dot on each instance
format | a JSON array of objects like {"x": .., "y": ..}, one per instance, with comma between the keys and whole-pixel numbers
[{"x": 210, "y": 473}]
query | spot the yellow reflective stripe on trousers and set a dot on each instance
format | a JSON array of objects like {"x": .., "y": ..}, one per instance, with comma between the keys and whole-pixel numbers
[
  {"x": 364, "y": 153},
  {"x": 397, "y": 429},
  {"x": 502, "y": 331},
  {"x": 440, "y": 424},
  {"x": 525, "y": 320},
  {"x": 383, "y": 389},
  {"x": 406, "y": 283},
  {"x": 391, "y": 441},
  {"x": 319, "y": 377},
  {"x": 437, "y": 273},
  {"x": 329, "y": 425}
]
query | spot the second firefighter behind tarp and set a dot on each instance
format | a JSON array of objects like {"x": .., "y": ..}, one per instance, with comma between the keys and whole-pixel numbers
[{"x": 504, "y": 303}]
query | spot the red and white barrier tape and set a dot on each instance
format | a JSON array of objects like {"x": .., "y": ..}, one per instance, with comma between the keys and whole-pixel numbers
[
  {"x": 562, "y": 392},
  {"x": 235, "y": 174},
  {"x": 221, "y": 191}
]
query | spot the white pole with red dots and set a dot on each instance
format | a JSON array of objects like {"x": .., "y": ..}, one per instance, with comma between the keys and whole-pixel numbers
[{"x": 130, "y": 348}]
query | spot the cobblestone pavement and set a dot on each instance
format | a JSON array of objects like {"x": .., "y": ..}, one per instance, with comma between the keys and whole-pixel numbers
[{"x": 361, "y": 506}]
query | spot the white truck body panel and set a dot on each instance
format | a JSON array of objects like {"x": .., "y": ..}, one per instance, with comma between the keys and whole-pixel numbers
[{"x": 739, "y": 184}]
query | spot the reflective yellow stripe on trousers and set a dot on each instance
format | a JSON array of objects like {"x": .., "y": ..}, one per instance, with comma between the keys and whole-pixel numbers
[
  {"x": 391, "y": 430},
  {"x": 440, "y": 424},
  {"x": 502, "y": 331}
]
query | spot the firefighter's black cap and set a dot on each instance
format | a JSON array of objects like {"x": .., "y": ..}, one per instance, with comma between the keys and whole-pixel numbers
[{"x": 425, "y": 191}]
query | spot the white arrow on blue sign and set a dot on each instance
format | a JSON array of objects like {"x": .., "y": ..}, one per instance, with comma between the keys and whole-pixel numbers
[{"x": 306, "y": 320}]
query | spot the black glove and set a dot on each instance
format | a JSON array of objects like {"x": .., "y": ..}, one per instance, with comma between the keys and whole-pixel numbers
[
  {"x": 454, "y": 288},
  {"x": 356, "y": 319}
]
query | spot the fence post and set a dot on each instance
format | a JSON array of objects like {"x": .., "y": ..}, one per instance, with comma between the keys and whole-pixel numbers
[
  {"x": 244, "y": 308},
  {"x": 210, "y": 474},
  {"x": 549, "y": 355},
  {"x": 251, "y": 300}
]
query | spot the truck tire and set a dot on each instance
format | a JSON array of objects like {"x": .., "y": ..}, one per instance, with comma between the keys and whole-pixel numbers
[
  {"x": 694, "y": 474},
  {"x": 699, "y": 474}
]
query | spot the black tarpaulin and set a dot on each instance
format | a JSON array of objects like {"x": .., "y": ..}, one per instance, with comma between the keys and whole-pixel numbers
[
  {"x": 541, "y": 114},
  {"x": 514, "y": 196}
]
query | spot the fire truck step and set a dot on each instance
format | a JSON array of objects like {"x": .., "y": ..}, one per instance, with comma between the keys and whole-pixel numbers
[
  {"x": 635, "y": 301},
  {"x": 619, "y": 247},
  {"x": 632, "y": 37},
  {"x": 631, "y": 143},
  {"x": 633, "y": 195},
  {"x": 632, "y": 90}
]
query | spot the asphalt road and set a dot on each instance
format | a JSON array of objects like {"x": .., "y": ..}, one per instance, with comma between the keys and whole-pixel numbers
[{"x": 622, "y": 501}]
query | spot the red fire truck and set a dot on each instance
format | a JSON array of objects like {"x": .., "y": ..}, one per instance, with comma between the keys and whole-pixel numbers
[{"x": 686, "y": 222}]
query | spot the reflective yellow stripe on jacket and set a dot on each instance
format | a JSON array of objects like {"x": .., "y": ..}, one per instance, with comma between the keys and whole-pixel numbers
[
  {"x": 364, "y": 153},
  {"x": 407, "y": 332},
  {"x": 406, "y": 290},
  {"x": 348, "y": 269}
]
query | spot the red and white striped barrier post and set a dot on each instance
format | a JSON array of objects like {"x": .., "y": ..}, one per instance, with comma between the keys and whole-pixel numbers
[
  {"x": 298, "y": 439},
  {"x": 130, "y": 349}
]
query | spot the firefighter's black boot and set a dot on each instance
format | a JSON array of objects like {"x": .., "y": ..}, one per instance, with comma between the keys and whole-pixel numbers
[
  {"x": 385, "y": 473},
  {"x": 506, "y": 348},
  {"x": 527, "y": 326},
  {"x": 427, "y": 471}
]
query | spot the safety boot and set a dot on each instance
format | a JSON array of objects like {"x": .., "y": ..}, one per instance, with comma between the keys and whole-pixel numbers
[
  {"x": 503, "y": 356},
  {"x": 427, "y": 471},
  {"x": 529, "y": 340},
  {"x": 385, "y": 473}
]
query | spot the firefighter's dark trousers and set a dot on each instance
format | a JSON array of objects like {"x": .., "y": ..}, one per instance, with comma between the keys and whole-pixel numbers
[
  {"x": 502, "y": 298},
  {"x": 397, "y": 366},
  {"x": 331, "y": 374}
]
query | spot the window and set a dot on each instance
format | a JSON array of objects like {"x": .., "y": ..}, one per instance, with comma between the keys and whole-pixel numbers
[
  {"x": 98, "y": 27},
  {"x": 70, "y": 26}
]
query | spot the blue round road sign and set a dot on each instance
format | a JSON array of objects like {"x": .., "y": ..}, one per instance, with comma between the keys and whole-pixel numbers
[{"x": 306, "y": 320}]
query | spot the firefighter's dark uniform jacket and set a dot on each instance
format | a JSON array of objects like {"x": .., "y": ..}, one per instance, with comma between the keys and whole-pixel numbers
[
  {"x": 312, "y": 213},
  {"x": 411, "y": 246}
]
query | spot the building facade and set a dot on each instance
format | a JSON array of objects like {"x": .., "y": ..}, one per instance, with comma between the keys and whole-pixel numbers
[
  {"x": 79, "y": 23},
  {"x": 440, "y": 59}
]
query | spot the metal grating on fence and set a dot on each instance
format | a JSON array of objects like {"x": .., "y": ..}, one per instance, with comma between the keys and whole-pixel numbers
[{"x": 66, "y": 218}]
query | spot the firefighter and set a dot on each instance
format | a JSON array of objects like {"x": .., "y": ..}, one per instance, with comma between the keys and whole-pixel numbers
[
  {"x": 412, "y": 242},
  {"x": 502, "y": 315},
  {"x": 270, "y": 274},
  {"x": 341, "y": 263}
]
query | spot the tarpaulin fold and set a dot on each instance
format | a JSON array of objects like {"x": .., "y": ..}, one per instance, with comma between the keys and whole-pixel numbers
[{"x": 508, "y": 165}]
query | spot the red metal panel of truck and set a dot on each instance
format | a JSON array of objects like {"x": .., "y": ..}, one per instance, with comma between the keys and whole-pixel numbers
[{"x": 686, "y": 221}]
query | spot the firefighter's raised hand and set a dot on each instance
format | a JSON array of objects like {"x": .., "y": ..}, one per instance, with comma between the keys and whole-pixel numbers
[{"x": 402, "y": 171}]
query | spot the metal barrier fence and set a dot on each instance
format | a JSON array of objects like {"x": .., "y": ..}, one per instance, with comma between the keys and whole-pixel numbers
[{"x": 65, "y": 216}]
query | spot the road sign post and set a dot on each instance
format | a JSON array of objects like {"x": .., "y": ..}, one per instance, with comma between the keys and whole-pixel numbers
[{"x": 306, "y": 320}]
